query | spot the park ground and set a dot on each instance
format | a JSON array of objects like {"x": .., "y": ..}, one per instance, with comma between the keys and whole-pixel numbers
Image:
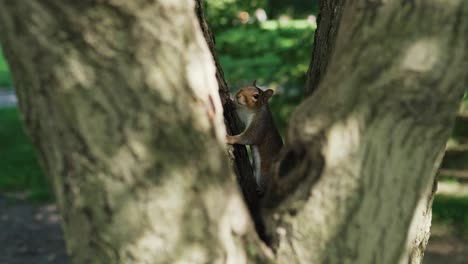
[{"x": 31, "y": 233}]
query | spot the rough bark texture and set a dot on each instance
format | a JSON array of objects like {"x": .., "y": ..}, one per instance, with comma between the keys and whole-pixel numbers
[
  {"x": 357, "y": 177},
  {"x": 237, "y": 153},
  {"x": 121, "y": 101},
  {"x": 328, "y": 22}
]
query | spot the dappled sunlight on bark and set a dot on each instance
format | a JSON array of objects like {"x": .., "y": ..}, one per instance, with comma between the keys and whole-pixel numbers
[{"x": 422, "y": 55}]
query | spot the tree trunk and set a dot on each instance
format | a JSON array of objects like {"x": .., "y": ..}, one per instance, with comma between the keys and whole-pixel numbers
[
  {"x": 120, "y": 99},
  {"x": 356, "y": 180}
]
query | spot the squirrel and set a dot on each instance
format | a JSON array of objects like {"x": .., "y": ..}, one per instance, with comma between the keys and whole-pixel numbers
[{"x": 260, "y": 132}]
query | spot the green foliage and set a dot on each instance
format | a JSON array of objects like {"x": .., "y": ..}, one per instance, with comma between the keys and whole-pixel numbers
[
  {"x": 222, "y": 14},
  {"x": 275, "y": 55},
  {"x": 20, "y": 170},
  {"x": 295, "y": 8},
  {"x": 451, "y": 210},
  {"x": 5, "y": 78}
]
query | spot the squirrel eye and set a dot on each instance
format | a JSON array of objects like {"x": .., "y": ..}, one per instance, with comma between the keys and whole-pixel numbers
[{"x": 255, "y": 96}]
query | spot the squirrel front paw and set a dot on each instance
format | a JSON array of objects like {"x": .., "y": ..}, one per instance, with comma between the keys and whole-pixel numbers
[{"x": 229, "y": 139}]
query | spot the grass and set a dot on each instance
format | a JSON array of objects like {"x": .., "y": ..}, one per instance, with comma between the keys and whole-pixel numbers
[
  {"x": 451, "y": 210},
  {"x": 5, "y": 77},
  {"x": 19, "y": 168}
]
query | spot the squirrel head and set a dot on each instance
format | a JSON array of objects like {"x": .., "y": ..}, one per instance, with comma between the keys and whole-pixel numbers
[{"x": 252, "y": 97}]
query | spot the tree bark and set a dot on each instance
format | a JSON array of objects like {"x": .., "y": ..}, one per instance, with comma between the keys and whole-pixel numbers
[
  {"x": 356, "y": 179},
  {"x": 121, "y": 101},
  {"x": 328, "y": 22}
]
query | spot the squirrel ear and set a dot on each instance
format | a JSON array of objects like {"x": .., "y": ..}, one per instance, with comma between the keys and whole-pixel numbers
[{"x": 267, "y": 94}]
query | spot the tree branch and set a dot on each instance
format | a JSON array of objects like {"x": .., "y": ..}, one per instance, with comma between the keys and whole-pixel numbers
[{"x": 328, "y": 22}]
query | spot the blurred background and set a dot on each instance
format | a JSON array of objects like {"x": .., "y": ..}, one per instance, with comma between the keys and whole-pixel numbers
[{"x": 265, "y": 40}]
